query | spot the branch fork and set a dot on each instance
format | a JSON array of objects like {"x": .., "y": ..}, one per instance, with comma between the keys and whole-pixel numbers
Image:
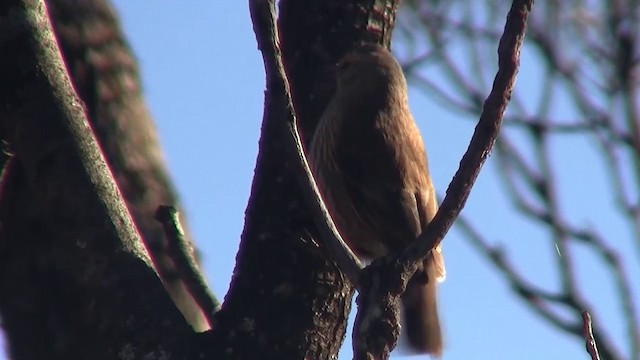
[{"x": 381, "y": 284}]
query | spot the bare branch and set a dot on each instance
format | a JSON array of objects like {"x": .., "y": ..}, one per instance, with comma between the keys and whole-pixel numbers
[
  {"x": 181, "y": 253},
  {"x": 94, "y": 251},
  {"x": 484, "y": 135},
  {"x": 105, "y": 75},
  {"x": 592, "y": 347},
  {"x": 539, "y": 300},
  {"x": 280, "y": 106},
  {"x": 386, "y": 278},
  {"x": 585, "y": 53}
]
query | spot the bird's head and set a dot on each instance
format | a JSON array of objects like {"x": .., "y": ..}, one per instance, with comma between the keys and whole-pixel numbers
[{"x": 369, "y": 69}]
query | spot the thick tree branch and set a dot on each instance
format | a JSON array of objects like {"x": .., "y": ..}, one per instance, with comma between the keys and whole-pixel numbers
[
  {"x": 96, "y": 258},
  {"x": 281, "y": 265},
  {"x": 105, "y": 75},
  {"x": 278, "y": 97}
]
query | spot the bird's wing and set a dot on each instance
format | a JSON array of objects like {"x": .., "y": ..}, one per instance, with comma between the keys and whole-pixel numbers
[
  {"x": 426, "y": 199},
  {"x": 373, "y": 178}
]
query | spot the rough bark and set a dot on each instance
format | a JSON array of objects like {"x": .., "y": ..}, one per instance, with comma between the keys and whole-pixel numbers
[
  {"x": 105, "y": 75},
  {"x": 295, "y": 278},
  {"x": 76, "y": 280}
]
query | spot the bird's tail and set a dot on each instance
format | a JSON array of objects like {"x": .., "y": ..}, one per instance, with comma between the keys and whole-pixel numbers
[{"x": 422, "y": 325}]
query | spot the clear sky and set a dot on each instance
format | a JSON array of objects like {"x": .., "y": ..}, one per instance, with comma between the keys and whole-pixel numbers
[{"x": 204, "y": 82}]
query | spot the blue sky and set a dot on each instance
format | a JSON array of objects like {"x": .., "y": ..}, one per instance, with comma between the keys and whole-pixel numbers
[{"x": 203, "y": 80}]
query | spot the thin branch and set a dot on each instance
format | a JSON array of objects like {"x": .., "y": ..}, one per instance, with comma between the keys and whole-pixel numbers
[
  {"x": 477, "y": 66},
  {"x": 562, "y": 234},
  {"x": 549, "y": 196},
  {"x": 616, "y": 176},
  {"x": 533, "y": 296},
  {"x": 536, "y": 297},
  {"x": 620, "y": 276},
  {"x": 180, "y": 250},
  {"x": 459, "y": 105},
  {"x": 499, "y": 260},
  {"x": 279, "y": 107},
  {"x": 509, "y": 154},
  {"x": 592, "y": 77},
  {"x": 512, "y": 165},
  {"x": 386, "y": 278},
  {"x": 484, "y": 135},
  {"x": 592, "y": 347}
]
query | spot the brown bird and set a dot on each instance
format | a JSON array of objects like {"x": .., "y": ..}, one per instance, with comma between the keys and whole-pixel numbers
[{"x": 370, "y": 164}]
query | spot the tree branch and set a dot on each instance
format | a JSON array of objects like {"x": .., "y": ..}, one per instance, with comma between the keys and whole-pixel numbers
[
  {"x": 180, "y": 251},
  {"x": 593, "y": 72},
  {"x": 378, "y": 287},
  {"x": 592, "y": 347},
  {"x": 279, "y": 98},
  {"x": 92, "y": 264},
  {"x": 105, "y": 75}
]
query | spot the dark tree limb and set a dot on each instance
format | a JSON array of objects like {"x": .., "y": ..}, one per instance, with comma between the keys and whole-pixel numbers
[
  {"x": 96, "y": 276},
  {"x": 278, "y": 96},
  {"x": 380, "y": 288},
  {"x": 282, "y": 267},
  {"x": 105, "y": 75}
]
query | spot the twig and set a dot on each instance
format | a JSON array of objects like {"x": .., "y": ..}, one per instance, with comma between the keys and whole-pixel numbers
[
  {"x": 592, "y": 347},
  {"x": 483, "y": 138},
  {"x": 279, "y": 108},
  {"x": 386, "y": 278},
  {"x": 181, "y": 253},
  {"x": 543, "y": 302},
  {"x": 600, "y": 112}
]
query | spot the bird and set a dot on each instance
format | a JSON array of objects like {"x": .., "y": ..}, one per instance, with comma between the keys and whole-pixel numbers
[{"x": 370, "y": 165}]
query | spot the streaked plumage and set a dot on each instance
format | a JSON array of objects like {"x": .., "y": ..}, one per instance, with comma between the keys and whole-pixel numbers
[{"x": 369, "y": 161}]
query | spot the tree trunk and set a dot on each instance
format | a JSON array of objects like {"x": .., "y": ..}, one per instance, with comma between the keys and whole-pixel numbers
[{"x": 75, "y": 281}]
